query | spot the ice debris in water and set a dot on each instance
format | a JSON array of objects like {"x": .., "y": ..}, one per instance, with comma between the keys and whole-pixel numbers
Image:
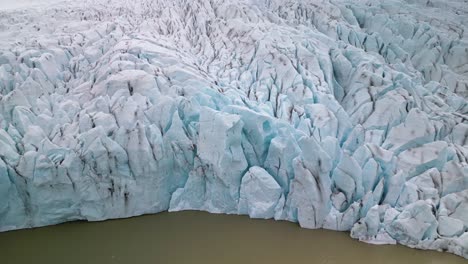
[{"x": 345, "y": 115}]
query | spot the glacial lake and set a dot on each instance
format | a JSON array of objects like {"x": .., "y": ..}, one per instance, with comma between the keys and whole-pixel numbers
[{"x": 199, "y": 237}]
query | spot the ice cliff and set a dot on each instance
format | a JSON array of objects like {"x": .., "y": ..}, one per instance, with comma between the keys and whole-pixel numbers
[{"x": 338, "y": 114}]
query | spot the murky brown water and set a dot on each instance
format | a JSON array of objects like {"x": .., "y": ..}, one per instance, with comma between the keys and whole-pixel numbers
[{"x": 198, "y": 237}]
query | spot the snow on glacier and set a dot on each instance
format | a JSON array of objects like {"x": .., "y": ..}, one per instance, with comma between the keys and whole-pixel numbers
[{"x": 345, "y": 115}]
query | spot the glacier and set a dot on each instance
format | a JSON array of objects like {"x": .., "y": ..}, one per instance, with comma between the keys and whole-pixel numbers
[{"x": 348, "y": 115}]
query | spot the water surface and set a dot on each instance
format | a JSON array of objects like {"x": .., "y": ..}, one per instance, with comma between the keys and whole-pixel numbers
[{"x": 199, "y": 237}]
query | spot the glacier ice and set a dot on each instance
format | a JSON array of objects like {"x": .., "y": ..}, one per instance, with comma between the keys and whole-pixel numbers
[{"x": 346, "y": 115}]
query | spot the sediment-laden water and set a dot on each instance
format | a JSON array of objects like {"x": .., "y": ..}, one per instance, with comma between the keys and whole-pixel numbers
[{"x": 199, "y": 237}]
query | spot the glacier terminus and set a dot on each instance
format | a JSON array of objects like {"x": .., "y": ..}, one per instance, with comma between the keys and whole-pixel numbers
[{"x": 348, "y": 115}]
